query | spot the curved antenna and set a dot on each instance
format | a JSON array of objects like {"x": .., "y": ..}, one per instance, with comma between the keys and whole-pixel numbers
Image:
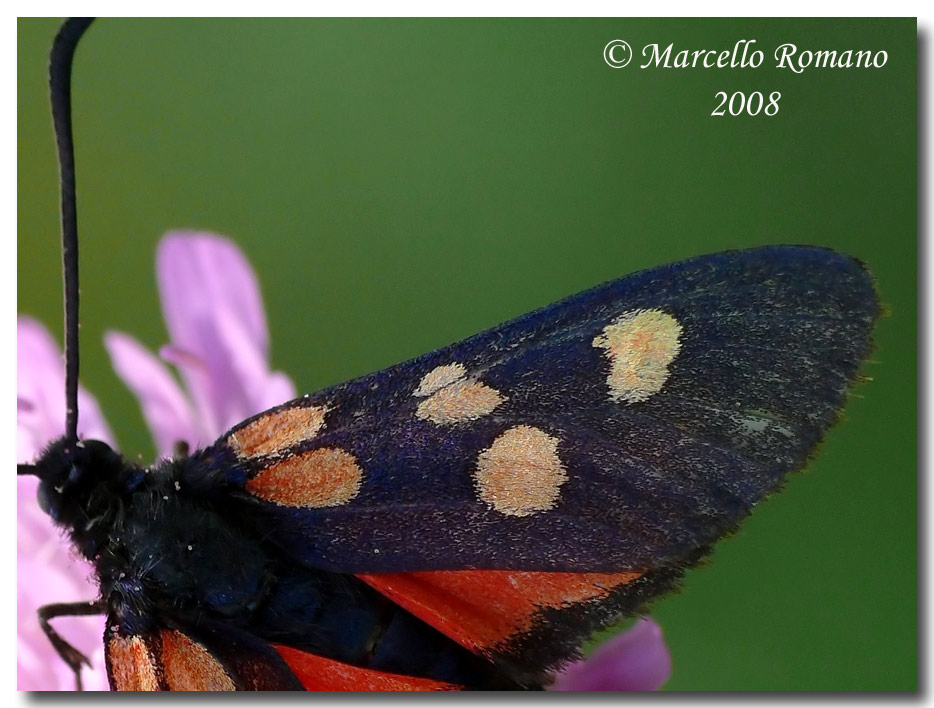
[{"x": 60, "y": 61}]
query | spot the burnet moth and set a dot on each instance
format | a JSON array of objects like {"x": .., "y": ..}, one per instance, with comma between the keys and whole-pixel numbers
[{"x": 466, "y": 519}]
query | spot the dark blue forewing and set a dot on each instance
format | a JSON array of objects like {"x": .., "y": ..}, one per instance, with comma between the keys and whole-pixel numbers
[{"x": 769, "y": 341}]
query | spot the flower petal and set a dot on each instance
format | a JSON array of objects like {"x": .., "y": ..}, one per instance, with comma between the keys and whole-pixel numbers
[
  {"x": 214, "y": 313},
  {"x": 635, "y": 660},
  {"x": 279, "y": 389},
  {"x": 46, "y": 572},
  {"x": 261, "y": 389},
  {"x": 214, "y": 270},
  {"x": 35, "y": 532},
  {"x": 41, "y": 582},
  {"x": 165, "y": 408},
  {"x": 40, "y": 394}
]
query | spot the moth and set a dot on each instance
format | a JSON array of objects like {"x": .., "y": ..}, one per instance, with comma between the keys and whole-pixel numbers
[{"x": 466, "y": 519}]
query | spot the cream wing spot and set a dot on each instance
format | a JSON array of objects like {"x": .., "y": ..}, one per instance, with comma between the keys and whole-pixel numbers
[
  {"x": 459, "y": 402},
  {"x": 452, "y": 397},
  {"x": 520, "y": 474},
  {"x": 641, "y": 345},
  {"x": 325, "y": 477},
  {"x": 439, "y": 377}
]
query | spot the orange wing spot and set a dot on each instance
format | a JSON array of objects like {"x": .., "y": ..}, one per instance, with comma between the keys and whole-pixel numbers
[
  {"x": 132, "y": 666},
  {"x": 317, "y": 673},
  {"x": 641, "y": 346},
  {"x": 521, "y": 473},
  {"x": 482, "y": 608},
  {"x": 459, "y": 402},
  {"x": 189, "y": 666},
  {"x": 318, "y": 478},
  {"x": 277, "y": 431}
]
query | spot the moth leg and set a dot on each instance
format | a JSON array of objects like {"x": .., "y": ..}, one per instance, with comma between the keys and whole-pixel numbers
[{"x": 69, "y": 654}]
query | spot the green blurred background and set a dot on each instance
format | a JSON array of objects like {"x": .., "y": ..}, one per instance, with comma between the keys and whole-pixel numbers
[{"x": 399, "y": 185}]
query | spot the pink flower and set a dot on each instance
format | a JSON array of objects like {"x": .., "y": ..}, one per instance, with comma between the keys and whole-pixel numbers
[
  {"x": 220, "y": 349},
  {"x": 635, "y": 660},
  {"x": 219, "y": 346},
  {"x": 46, "y": 570}
]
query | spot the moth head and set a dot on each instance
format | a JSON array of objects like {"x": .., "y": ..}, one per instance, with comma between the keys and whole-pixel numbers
[{"x": 72, "y": 472}]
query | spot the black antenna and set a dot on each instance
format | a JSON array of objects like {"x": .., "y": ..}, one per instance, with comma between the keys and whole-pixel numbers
[{"x": 63, "y": 53}]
